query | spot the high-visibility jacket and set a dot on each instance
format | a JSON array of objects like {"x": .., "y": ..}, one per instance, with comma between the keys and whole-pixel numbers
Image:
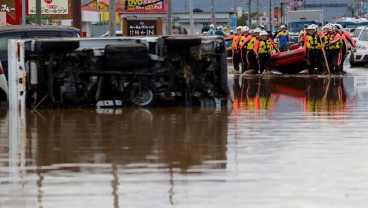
[
  {"x": 235, "y": 42},
  {"x": 242, "y": 40},
  {"x": 312, "y": 41},
  {"x": 264, "y": 46},
  {"x": 334, "y": 41}
]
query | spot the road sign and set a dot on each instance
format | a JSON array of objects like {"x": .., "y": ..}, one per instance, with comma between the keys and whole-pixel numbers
[{"x": 296, "y": 3}]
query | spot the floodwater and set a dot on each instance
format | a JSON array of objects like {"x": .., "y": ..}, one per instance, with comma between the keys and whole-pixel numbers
[{"x": 298, "y": 142}]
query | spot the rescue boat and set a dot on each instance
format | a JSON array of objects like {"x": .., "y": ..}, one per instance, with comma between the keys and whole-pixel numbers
[{"x": 289, "y": 62}]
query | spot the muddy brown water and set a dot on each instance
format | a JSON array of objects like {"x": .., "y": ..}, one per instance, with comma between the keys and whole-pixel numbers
[{"x": 283, "y": 142}]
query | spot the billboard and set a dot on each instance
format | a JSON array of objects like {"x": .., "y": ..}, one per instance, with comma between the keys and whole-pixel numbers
[
  {"x": 143, "y": 6},
  {"x": 50, "y": 7}
]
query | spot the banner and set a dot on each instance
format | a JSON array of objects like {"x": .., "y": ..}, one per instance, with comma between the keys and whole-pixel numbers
[
  {"x": 143, "y": 6},
  {"x": 48, "y": 7}
]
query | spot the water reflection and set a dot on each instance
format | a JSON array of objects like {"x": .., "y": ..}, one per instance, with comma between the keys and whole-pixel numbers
[
  {"x": 314, "y": 94},
  {"x": 67, "y": 149},
  {"x": 179, "y": 138}
]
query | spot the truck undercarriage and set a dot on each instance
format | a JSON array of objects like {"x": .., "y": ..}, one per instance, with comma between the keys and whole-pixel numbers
[{"x": 112, "y": 72}]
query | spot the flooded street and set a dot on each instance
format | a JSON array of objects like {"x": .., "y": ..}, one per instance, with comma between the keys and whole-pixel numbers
[{"x": 297, "y": 142}]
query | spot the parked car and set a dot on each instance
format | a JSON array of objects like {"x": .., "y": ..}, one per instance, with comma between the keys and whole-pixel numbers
[
  {"x": 22, "y": 32},
  {"x": 359, "y": 57}
]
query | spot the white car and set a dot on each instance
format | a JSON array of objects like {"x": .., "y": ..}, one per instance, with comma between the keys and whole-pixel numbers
[
  {"x": 359, "y": 57},
  {"x": 3, "y": 85}
]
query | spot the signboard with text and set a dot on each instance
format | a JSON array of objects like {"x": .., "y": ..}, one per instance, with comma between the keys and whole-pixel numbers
[
  {"x": 143, "y": 6},
  {"x": 141, "y": 27},
  {"x": 50, "y": 7}
]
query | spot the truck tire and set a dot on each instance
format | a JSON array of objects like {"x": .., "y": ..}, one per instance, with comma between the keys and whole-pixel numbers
[
  {"x": 143, "y": 94},
  {"x": 124, "y": 57},
  {"x": 183, "y": 41},
  {"x": 55, "y": 45}
]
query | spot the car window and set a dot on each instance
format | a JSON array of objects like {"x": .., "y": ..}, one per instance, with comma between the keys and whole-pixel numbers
[
  {"x": 68, "y": 34},
  {"x": 357, "y": 32},
  {"x": 4, "y": 40},
  {"x": 364, "y": 36},
  {"x": 42, "y": 34}
]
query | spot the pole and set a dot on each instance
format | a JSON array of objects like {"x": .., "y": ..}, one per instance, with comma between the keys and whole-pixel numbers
[
  {"x": 257, "y": 13},
  {"x": 249, "y": 14},
  {"x": 112, "y": 18},
  {"x": 38, "y": 12},
  {"x": 24, "y": 12},
  {"x": 77, "y": 15},
  {"x": 169, "y": 18},
  {"x": 270, "y": 14},
  {"x": 191, "y": 16},
  {"x": 213, "y": 12}
]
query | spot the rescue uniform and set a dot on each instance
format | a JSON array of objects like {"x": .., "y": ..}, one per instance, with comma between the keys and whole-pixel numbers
[
  {"x": 236, "y": 52},
  {"x": 243, "y": 51},
  {"x": 301, "y": 37},
  {"x": 313, "y": 52},
  {"x": 333, "y": 43},
  {"x": 345, "y": 50},
  {"x": 284, "y": 39},
  {"x": 263, "y": 49},
  {"x": 250, "y": 55}
]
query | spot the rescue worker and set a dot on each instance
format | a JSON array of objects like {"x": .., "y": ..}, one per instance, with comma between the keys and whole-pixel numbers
[
  {"x": 235, "y": 49},
  {"x": 345, "y": 48},
  {"x": 219, "y": 31},
  {"x": 312, "y": 50},
  {"x": 262, "y": 28},
  {"x": 284, "y": 38},
  {"x": 211, "y": 31},
  {"x": 225, "y": 30},
  {"x": 249, "y": 45},
  {"x": 302, "y": 34},
  {"x": 333, "y": 44},
  {"x": 263, "y": 49},
  {"x": 243, "y": 50}
]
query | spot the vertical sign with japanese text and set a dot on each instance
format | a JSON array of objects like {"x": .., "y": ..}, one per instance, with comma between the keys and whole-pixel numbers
[{"x": 142, "y": 27}]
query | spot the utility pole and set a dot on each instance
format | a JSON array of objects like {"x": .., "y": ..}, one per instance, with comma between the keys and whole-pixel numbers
[
  {"x": 38, "y": 12},
  {"x": 270, "y": 14},
  {"x": 249, "y": 14},
  {"x": 24, "y": 12},
  {"x": 257, "y": 13},
  {"x": 234, "y": 8},
  {"x": 169, "y": 18},
  {"x": 112, "y": 18},
  {"x": 213, "y": 12},
  {"x": 77, "y": 15},
  {"x": 191, "y": 16}
]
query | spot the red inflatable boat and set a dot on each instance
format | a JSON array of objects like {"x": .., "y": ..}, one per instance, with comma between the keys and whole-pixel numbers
[{"x": 291, "y": 61}]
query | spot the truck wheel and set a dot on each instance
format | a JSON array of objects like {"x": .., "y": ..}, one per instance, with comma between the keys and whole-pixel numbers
[
  {"x": 183, "y": 41},
  {"x": 143, "y": 94}
]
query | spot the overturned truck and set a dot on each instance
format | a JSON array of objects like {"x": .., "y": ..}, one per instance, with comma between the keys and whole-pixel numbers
[{"x": 111, "y": 72}]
